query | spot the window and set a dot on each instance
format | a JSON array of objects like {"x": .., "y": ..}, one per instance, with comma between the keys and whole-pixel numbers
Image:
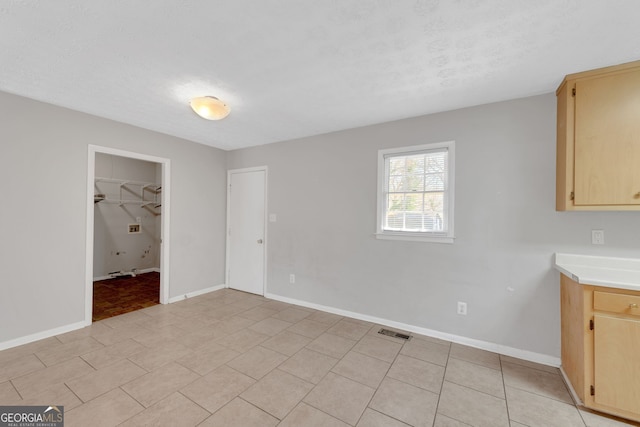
[{"x": 415, "y": 193}]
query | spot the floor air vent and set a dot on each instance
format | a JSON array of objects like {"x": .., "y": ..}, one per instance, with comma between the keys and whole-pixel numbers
[{"x": 394, "y": 334}]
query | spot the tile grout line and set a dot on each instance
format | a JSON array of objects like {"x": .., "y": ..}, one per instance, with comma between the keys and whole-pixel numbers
[
  {"x": 196, "y": 403},
  {"x": 321, "y": 379},
  {"x": 504, "y": 389},
  {"x": 383, "y": 377},
  {"x": 331, "y": 371},
  {"x": 257, "y": 407},
  {"x": 444, "y": 375},
  {"x": 421, "y": 360},
  {"x": 76, "y": 395},
  {"x": 386, "y": 415},
  {"x": 522, "y": 365},
  {"x": 544, "y": 396},
  {"x": 37, "y": 357},
  {"x": 476, "y": 390},
  {"x": 476, "y": 363},
  {"x": 299, "y": 402},
  {"x": 16, "y": 389}
]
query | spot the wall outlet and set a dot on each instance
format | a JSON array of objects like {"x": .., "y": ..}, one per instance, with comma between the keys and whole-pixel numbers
[
  {"x": 134, "y": 228},
  {"x": 462, "y": 308},
  {"x": 292, "y": 278},
  {"x": 597, "y": 237}
]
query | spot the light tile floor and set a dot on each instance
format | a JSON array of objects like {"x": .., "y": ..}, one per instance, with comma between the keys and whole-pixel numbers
[{"x": 233, "y": 359}]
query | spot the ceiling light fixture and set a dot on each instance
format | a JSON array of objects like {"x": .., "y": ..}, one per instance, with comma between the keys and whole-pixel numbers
[{"x": 210, "y": 107}]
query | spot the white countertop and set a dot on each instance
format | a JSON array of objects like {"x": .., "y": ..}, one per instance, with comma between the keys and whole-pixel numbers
[{"x": 622, "y": 273}]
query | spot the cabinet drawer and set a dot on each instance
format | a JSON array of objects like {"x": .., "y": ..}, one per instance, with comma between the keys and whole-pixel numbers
[{"x": 616, "y": 303}]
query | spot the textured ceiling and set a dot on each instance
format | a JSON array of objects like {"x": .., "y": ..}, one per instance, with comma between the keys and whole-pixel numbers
[{"x": 294, "y": 68}]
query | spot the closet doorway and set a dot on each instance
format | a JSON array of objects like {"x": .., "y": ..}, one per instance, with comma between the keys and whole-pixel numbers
[{"x": 127, "y": 254}]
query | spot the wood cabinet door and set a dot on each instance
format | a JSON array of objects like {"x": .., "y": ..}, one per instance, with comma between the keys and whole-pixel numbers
[
  {"x": 617, "y": 362},
  {"x": 607, "y": 140}
]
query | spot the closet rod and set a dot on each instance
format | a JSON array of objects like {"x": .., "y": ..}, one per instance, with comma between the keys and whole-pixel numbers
[
  {"x": 127, "y": 202},
  {"x": 126, "y": 181}
]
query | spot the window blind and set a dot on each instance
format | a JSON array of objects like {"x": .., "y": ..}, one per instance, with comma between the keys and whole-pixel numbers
[{"x": 414, "y": 191}]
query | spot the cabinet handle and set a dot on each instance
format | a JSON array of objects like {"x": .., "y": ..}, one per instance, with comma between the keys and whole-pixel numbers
[{"x": 633, "y": 305}]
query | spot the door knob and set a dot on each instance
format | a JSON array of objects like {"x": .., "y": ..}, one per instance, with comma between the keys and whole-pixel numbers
[
  {"x": 260, "y": 241},
  {"x": 633, "y": 305}
]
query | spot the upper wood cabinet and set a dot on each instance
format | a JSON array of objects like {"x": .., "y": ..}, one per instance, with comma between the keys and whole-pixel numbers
[{"x": 598, "y": 137}]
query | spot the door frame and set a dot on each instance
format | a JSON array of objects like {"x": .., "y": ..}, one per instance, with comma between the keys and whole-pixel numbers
[
  {"x": 265, "y": 169},
  {"x": 164, "y": 228}
]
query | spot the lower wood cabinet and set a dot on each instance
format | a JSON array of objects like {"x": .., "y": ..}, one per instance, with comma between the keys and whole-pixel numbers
[{"x": 601, "y": 346}]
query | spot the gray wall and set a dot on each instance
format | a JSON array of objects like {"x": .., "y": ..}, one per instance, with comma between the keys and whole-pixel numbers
[
  {"x": 43, "y": 179},
  {"x": 323, "y": 190}
]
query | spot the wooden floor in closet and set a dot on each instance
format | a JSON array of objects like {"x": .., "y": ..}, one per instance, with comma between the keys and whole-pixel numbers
[{"x": 121, "y": 295}]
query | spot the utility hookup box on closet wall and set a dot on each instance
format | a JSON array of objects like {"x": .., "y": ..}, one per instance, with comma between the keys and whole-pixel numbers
[{"x": 134, "y": 228}]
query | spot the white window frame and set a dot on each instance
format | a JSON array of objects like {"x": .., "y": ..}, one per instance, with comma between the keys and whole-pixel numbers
[{"x": 418, "y": 236}]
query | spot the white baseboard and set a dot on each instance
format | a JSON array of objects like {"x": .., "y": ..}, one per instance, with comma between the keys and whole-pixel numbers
[
  {"x": 484, "y": 345},
  {"x": 41, "y": 335},
  {"x": 196, "y": 293},
  {"x": 141, "y": 271},
  {"x": 531, "y": 356},
  {"x": 79, "y": 325}
]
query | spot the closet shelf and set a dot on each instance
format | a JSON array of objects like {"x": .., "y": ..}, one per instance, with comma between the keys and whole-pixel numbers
[
  {"x": 142, "y": 201},
  {"x": 150, "y": 186}
]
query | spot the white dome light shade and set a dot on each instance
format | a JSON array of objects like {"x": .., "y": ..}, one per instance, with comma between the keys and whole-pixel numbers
[{"x": 210, "y": 107}]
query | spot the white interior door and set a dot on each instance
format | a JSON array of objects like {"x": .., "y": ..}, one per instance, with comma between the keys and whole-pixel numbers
[{"x": 246, "y": 230}]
